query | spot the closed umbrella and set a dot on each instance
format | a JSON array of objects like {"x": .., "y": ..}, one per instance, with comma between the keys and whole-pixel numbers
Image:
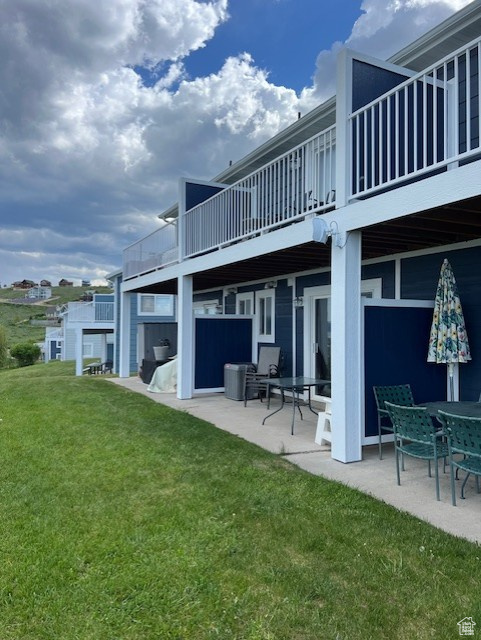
[{"x": 448, "y": 342}]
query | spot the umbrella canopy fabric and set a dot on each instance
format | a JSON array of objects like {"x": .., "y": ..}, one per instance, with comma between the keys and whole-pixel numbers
[{"x": 448, "y": 342}]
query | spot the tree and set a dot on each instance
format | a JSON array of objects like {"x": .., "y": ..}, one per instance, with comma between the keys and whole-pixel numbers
[
  {"x": 26, "y": 353},
  {"x": 3, "y": 347}
]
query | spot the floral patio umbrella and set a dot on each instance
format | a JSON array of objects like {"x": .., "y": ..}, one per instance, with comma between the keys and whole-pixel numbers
[{"x": 448, "y": 342}]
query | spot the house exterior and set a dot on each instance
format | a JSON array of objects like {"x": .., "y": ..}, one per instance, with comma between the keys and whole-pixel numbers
[
  {"x": 87, "y": 332},
  {"x": 152, "y": 317},
  {"x": 65, "y": 283},
  {"x": 39, "y": 293},
  {"x": 24, "y": 284},
  {"x": 328, "y": 239}
]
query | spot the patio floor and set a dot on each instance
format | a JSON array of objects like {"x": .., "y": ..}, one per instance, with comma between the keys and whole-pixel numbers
[{"x": 416, "y": 494}]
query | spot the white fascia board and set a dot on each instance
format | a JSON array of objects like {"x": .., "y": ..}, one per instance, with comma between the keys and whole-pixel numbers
[{"x": 447, "y": 187}]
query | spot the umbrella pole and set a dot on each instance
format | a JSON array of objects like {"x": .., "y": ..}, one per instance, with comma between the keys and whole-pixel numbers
[{"x": 451, "y": 381}]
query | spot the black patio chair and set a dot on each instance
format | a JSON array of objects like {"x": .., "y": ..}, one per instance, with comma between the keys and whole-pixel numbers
[
  {"x": 416, "y": 435},
  {"x": 268, "y": 366},
  {"x": 399, "y": 394},
  {"x": 463, "y": 435}
]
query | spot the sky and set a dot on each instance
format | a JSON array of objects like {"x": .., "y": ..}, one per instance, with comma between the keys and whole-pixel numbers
[{"x": 105, "y": 104}]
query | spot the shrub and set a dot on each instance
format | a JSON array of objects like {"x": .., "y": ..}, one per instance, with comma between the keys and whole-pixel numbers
[
  {"x": 3, "y": 348},
  {"x": 26, "y": 353}
]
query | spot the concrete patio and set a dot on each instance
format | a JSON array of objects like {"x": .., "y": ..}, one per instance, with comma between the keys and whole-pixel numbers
[{"x": 416, "y": 495}]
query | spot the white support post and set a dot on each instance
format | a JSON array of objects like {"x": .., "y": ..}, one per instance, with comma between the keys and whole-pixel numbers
[
  {"x": 343, "y": 131},
  {"x": 185, "y": 347},
  {"x": 346, "y": 367},
  {"x": 103, "y": 347},
  {"x": 79, "y": 360},
  {"x": 124, "y": 343}
]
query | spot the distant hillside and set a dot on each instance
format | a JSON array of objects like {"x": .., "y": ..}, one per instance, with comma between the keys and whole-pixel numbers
[{"x": 16, "y": 316}]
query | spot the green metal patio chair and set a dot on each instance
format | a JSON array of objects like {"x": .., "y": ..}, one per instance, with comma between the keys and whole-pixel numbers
[
  {"x": 416, "y": 435},
  {"x": 399, "y": 394},
  {"x": 464, "y": 437}
]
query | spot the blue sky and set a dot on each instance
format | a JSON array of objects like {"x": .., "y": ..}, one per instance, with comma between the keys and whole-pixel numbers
[
  {"x": 284, "y": 37},
  {"x": 90, "y": 154}
]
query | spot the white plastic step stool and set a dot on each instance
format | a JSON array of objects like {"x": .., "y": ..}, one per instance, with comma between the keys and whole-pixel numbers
[{"x": 323, "y": 431}]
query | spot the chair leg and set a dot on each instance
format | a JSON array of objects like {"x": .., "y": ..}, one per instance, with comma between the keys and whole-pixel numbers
[
  {"x": 397, "y": 465},
  {"x": 453, "y": 485},
  {"x": 436, "y": 475},
  {"x": 380, "y": 441},
  {"x": 463, "y": 485}
]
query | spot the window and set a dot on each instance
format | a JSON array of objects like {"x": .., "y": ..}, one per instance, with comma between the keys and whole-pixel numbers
[
  {"x": 155, "y": 305},
  {"x": 207, "y": 307},
  {"x": 265, "y": 316},
  {"x": 88, "y": 350},
  {"x": 245, "y": 304}
]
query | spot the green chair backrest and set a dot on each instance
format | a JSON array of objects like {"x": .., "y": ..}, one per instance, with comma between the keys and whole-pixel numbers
[
  {"x": 399, "y": 394},
  {"x": 412, "y": 423},
  {"x": 464, "y": 434}
]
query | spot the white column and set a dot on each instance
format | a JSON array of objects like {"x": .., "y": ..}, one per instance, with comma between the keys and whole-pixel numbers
[
  {"x": 79, "y": 360},
  {"x": 346, "y": 366},
  {"x": 343, "y": 137},
  {"x": 124, "y": 342},
  {"x": 103, "y": 347},
  {"x": 185, "y": 339}
]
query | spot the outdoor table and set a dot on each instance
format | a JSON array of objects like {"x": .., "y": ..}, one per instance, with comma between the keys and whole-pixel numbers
[
  {"x": 296, "y": 386},
  {"x": 458, "y": 408}
]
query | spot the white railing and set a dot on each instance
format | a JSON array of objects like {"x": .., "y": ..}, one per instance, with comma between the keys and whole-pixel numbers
[
  {"x": 90, "y": 312},
  {"x": 298, "y": 183},
  {"x": 152, "y": 252},
  {"x": 420, "y": 126}
]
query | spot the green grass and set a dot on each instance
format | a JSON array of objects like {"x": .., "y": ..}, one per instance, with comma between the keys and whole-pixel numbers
[
  {"x": 16, "y": 317},
  {"x": 124, "y": 519}
]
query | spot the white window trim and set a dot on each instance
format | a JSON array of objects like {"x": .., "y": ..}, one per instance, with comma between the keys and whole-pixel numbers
[
  {"x": 202, "y": 307},
  {"x": 244, "y": 297},
  {"x": 154, "y": 313},
  {"x": 265, "y": 294},
  {"x": 88, "y": 350}
]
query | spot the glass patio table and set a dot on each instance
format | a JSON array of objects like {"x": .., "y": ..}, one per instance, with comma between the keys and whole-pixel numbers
[
  {"x": 296, "y": 385},
  {"x": 468, "y": 409}
]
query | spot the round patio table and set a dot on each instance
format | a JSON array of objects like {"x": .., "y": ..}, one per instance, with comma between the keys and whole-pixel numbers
[{"x": 459, "y": 408}]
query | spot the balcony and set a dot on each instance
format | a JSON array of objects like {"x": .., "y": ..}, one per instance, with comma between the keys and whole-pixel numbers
[
  {"x": 299, "y": 183},
  {"x": 420, "y": 127},
  {"x": 423, "y": 126},
  {"x": 157, "y": 250},
  {"x": 91, "y": 312}
]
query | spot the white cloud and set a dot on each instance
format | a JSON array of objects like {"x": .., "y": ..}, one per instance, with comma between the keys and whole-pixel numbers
[
  {"x": 385, "y": 26},
  {"x": 89, "y": 155}
]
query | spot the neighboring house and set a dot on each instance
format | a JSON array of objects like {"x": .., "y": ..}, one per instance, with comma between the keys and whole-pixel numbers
[
  {"x": 152, "y": 317},
  {"x": 45, "y": 283},
  {"x": 85, "y": 283},
  {"x": 65, "y": 283},
  {"x": 24, "y": 284},
  {"x": 39, "y": 293},
  {"x": 328, "y": 239},
  {"x": 88, "y": 329},
  {"x": 52, "y": 348}
]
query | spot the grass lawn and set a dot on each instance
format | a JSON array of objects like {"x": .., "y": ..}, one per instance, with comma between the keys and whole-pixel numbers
[
  {"x": 16, "y": 317},
  {"x": 123, "y": 519}
]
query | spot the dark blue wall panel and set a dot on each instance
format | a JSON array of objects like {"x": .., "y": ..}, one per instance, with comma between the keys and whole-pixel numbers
[
  {"x": 197, "y": 193},
  {"x": 369, "y": 82},
  {"x": 219, "y": 340},
  {"x": 395, "y": 352}
]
